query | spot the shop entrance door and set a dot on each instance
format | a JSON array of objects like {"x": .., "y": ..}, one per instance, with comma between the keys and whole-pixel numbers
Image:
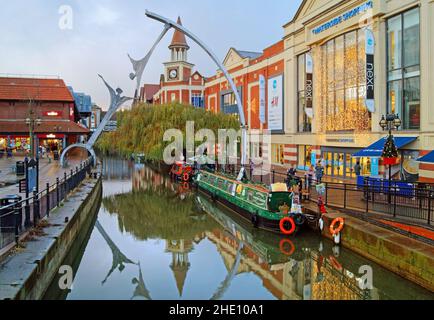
[
  {"x": 328, "y": 165},
  {"x": 350, "y": 163},
  {"x": 339, "y": 164}
]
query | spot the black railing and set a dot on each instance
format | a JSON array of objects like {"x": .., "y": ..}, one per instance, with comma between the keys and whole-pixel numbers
[
  {"x": 413, "y": 201},
  {"x": 20, "y": 216}
]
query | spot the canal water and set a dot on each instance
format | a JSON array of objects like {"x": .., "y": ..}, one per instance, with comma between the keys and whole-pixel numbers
[{"x": 155, "y": 239}]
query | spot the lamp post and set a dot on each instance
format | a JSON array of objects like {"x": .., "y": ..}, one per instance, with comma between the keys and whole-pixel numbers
[
  {"x": 32, "y": 121},
  {"x": 390, "y": 122}
]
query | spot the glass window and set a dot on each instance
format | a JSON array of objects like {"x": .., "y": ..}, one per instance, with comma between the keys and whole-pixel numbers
[
  {"x": 278, "y": 153},
  {"x": 197, "y": 100},
  {"x": 411, "y": 38},
  {"x": 304, "y": 122},
  {"x": 301, "y": 156},
  {"x": 394, "y": 41},
  {"x": 304, "y": 157},
  {"x": 404, "y": 68},
  {"x": 343, "y": 83}
]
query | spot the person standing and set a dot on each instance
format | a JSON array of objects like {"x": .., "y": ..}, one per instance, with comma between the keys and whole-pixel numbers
[
  {"x": 309, "y": 175},
  {"x": 319, "y": 172},
  {"x": 357, "y": 168}
]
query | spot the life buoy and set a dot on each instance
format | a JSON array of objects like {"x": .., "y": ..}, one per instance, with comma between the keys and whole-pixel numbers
[
  {"x": 186, "y": 177},
  {"x": 291, "y": 247},
  {"x": 334, "y": 231},
  {"x": 282, "y": 226}
]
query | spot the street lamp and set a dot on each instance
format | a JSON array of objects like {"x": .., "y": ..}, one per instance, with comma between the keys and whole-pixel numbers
[
  {"x": 390, "y": 122},
  {"x": 32, "y": 122}
]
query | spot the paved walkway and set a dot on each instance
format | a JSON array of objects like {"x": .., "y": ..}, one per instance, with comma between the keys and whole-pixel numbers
[{"x": 48, "y": 172}]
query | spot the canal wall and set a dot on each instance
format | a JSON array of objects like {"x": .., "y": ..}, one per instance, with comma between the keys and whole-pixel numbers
[
  {"x": 28, "y": 273},
  {"x": 410, "y": 258}
]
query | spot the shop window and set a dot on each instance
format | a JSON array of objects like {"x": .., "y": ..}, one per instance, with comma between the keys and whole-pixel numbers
[
  {"x": 305, "y": 157},
  {"x": 403, "y": 32},
  {"x": 304, "y": 122},
  {"x": 342, "y": 84},
  {"x": 278, "y": 153}
]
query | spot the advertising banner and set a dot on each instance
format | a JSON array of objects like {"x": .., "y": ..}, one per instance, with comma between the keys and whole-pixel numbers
[
  {"x": 262, "y": 99},
  {"x": 374, "y": 167},
  {"x": 309, "y": 86},
  {"x": 275, "y": 104},
  {"x": 370, "y": 71}
]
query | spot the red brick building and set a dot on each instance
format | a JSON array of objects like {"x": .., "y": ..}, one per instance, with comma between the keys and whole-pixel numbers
[
  {"x": 47, "y": 100},
  {"x": 180, "y": 83},
  {"x": 246, "y": 68}
]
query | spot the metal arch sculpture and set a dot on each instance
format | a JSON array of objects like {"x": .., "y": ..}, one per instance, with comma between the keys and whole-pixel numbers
[
  {"x": 139, "y": 65},
  {"x": 225, "y": 72},
  {"x": 116, "y": 100},
  {"x": 230, "y": 276}
]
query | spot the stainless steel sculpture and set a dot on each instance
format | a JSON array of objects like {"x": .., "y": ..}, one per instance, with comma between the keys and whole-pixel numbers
[
  {"x": 116, "y": 100},
  {"x": 225, "y": 72},
  {"x": 139, "y": 65}
]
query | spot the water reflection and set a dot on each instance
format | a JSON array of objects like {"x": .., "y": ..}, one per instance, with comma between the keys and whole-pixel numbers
[{"x": 162, "y": 240}]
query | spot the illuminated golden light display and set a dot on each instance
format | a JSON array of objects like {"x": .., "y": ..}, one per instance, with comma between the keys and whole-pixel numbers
[{"x": 340, "y": 84}]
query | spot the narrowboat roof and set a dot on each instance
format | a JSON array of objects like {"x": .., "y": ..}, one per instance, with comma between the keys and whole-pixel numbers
[{"x": 250, "y": 185}]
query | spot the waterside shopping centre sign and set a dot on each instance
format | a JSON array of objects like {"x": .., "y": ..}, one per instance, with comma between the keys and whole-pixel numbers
[{"x": 344, "y": 17}]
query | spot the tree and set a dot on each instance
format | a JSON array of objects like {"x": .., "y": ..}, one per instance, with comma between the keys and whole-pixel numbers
[{"x": 390, "y": 152}]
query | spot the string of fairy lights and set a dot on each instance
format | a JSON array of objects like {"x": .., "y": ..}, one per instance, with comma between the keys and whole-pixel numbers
[{"x": 340, "y": 87}]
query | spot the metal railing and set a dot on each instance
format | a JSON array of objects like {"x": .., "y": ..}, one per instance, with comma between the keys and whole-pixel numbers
[
  {"x": 20, "y": 216},
  {"x": 411, "y": 201}
]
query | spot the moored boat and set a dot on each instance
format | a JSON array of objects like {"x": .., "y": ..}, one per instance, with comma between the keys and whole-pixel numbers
[
  {"x": 182, "y": 171},
  {"x": 271, "y": 208}
]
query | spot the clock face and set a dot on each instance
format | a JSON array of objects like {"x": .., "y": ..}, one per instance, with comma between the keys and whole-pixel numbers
[{"x": 173, "y": 74}]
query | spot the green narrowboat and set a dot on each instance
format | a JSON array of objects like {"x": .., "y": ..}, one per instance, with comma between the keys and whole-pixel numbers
[{"x": 266, "y": 208}]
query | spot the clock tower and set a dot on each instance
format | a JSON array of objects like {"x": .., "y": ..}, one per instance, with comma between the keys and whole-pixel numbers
[
  {"x": 178, "y": 69},
  {"x": 179, "y": 83}
]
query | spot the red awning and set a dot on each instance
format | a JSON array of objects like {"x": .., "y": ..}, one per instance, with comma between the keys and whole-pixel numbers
[{"x": 48, "y": 127}]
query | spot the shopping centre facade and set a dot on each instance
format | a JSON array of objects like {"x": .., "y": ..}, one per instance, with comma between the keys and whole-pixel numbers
[{"x": 340, "y": 67}]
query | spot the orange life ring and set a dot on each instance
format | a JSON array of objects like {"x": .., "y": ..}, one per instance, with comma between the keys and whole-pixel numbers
[
  {"x": 282, "y": 247},
  {"x": 186, "y": 177},
  {"x": 334, "y": 231},
  {"x": 282, "y": 227}
]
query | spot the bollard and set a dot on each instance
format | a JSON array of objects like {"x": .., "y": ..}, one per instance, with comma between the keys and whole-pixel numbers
[{"x": 47, "y": 213}]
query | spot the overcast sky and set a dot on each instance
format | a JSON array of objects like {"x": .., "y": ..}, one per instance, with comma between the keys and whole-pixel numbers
[{"x": 104, "y": 31}]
